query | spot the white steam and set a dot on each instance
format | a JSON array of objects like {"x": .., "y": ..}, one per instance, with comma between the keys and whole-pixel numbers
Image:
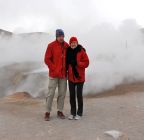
[{"x": 116, "y": 57}]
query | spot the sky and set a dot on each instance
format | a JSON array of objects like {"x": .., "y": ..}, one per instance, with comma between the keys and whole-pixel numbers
[{"x": 47, "y": 15}]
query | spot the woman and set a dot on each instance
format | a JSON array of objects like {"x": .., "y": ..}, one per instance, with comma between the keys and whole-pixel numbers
[{"x": 77, "y": 61}]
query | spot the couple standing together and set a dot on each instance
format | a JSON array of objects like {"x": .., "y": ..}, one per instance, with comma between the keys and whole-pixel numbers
[{"x": 65, "y": 61}]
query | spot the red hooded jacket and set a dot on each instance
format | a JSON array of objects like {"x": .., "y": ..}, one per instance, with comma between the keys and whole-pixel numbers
[
  {"x": 55, "y": 59},
  {"x": 82, "y": 63}
]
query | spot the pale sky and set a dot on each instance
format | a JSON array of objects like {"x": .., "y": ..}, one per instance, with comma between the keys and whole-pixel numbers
[{"x": 47, "y": 15}]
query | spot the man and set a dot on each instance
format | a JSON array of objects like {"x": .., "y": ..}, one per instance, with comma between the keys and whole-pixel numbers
[{"x": 55, "y": 59}]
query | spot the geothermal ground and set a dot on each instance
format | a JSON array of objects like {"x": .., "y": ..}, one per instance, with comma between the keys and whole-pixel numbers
[{"x": 21, "y": 117}]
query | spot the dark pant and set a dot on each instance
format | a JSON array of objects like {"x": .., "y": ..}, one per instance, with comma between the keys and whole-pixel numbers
[{"x": 76, "y": 89}]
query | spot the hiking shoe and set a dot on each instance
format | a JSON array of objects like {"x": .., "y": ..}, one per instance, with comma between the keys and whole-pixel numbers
[
  {"x": 77, "y": 117},
  {"x": 47, "y": 116},
  {"x": 60, "y": 115},
  {"x": 71, "y": 117}
]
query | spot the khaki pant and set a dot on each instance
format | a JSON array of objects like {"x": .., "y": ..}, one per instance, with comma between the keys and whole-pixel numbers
[{"x": 62, "y": 87}]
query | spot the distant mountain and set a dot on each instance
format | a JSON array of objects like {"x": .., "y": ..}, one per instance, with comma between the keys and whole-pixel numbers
[
  {"x": 33, "y": 34},
  {"x": 5, "y": 33}
]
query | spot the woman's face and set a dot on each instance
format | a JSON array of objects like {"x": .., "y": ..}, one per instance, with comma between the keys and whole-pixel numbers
[{"x": 73, "y": 44}]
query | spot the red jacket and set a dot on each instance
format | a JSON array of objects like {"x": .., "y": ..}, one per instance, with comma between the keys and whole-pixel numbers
[
  {"x": 82, "y": 63},
  {"x": 55, "y": 59}
]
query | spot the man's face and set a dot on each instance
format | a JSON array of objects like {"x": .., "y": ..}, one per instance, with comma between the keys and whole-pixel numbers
[
  {"x": 60, "y": 39},
  {"x": 73, "y": 44}
]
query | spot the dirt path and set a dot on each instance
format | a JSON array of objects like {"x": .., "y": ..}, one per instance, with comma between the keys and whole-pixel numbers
[{"x": 21, "y": 120}]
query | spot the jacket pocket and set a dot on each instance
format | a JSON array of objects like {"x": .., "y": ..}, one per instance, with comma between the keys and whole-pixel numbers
[{"x": 81, "y": 72}]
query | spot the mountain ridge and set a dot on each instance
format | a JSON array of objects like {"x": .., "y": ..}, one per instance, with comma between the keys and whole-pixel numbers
[{"x": 4, "y": 32}]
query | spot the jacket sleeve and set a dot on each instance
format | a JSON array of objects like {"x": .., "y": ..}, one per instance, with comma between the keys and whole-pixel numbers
[
  {"x": 83, "y": 61},
  {"x": 48, "y": 57}
]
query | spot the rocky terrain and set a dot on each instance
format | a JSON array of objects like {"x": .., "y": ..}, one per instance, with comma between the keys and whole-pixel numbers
[{"x": 21, "y": 117}]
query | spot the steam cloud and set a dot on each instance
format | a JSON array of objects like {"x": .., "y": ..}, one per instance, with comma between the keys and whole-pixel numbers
[{"x": 116, "y": 57}]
